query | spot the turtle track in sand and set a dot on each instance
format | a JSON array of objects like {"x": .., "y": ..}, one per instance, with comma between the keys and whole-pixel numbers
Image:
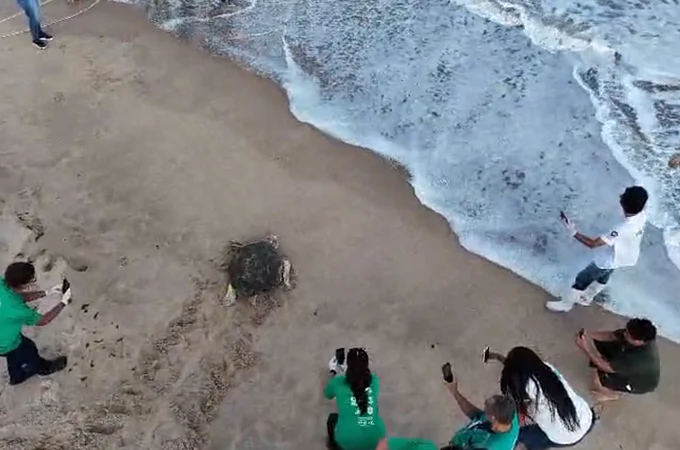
[{"x": 175, "y": 389}]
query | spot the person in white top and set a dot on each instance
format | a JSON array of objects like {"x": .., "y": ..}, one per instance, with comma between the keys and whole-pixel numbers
[
  {"x": 551, "y": 413},
  {"x": 620, "y": 247}
]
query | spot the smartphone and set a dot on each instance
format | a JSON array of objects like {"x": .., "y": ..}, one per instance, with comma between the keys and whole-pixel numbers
[
  {"x": 340, "y": 356},
  {"x": 581, "y": 332},
  {"x": 447, "y": 373},
  {"x": 65, "y": 286},
  {"x": 564, "y": 216},
  {"x": 485, "y": 354}
]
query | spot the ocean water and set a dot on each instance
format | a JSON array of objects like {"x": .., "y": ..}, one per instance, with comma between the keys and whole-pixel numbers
[{"x": 504, "y": 112}]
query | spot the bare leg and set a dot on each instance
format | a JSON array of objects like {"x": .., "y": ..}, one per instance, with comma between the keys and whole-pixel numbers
[{"x": 601, "y": 393}]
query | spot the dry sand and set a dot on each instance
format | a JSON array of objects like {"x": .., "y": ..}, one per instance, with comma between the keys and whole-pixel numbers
[{"x": 129, "y": 160}]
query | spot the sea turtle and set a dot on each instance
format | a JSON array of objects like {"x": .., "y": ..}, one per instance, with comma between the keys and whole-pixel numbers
[{"x": 256, "y": 268}]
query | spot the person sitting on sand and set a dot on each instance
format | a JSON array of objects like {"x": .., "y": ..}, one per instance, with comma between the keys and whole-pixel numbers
[
  {"x": 623, "y": 361},
  {"x": 623, "y": 250},
  {"x": 551, "y": 413},
  {"x": 495, "y": 427},
  {"x": 357, "y": 424},
  {"x": 23, "y": 359}
]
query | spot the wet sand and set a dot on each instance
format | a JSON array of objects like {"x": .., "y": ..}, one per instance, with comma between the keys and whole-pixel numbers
[{"x": 130, "y": 160}]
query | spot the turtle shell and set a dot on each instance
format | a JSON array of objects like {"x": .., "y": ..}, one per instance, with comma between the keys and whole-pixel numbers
[{"x": 255, "y": 268}]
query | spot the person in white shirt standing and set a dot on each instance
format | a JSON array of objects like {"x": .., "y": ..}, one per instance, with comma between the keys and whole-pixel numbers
[{"x": 621, "y": 249}]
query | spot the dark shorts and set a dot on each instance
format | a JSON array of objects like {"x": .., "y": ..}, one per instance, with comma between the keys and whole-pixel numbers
[
  {"x": 330, "y": 428},
  {"x": 615, "y": 382},
  {"x": 590, "y": 274},
  {"x": 534, "y": 438},
  {"x": 24, "y": 361}
]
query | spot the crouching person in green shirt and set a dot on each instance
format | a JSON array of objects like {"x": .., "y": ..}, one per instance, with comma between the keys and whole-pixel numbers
[
  {"x": 23, "y": 359},
  {"x": 496, "y": 427},
  {"x": 357, "y": 424}
]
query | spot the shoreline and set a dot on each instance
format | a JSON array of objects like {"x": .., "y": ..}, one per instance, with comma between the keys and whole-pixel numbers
[{"x": 157, "y": 164}]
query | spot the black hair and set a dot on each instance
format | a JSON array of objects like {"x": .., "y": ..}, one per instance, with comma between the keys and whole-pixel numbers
[
  {"x": 358, "y": 376},
  {"x": 522, "y": 365},
  {"x": 501, "y": 407},
  {"x": 641, "y": 330},
  {"x": 634, "y": 199},
  {"x": 19, "y": 274}
]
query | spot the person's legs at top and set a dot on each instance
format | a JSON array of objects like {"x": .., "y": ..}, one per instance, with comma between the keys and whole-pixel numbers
[
  {"x": 32, "y": 10},
  {"x": 588, "y": 283},
  {"x": 330, "y": 429}
]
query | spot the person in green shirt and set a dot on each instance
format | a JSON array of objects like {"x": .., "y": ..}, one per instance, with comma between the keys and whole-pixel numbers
[
  {"x": 496, "y": 427},
  {"x": 23, "y": 359},
  {"x": 357, "y": 424},
  {"x": 623, "y": 361}
]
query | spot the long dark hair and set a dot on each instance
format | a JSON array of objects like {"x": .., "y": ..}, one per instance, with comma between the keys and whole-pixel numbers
[
  {"x": 522, "y": 365},
  {"x": 358, "y": 376}
]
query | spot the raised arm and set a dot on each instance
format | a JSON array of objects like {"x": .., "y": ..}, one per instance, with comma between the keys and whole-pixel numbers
[
  {"x": 585, "y": 344},
  {"x": 32, "y": 296},
  {"x": 603, "y": 336},
  {"x": 464, "y": 404}
]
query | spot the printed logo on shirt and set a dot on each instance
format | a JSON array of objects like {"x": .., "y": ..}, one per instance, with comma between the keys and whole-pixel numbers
[{"x": 365, "y": 420}]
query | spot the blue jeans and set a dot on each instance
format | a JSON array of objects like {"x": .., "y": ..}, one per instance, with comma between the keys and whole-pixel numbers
[
  {"x": 534, "y": 438},
  {"x": 591, "y": 273},
  {"x": 32, "y": 10}
]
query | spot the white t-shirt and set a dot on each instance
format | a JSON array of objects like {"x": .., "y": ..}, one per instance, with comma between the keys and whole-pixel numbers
[
  {"x": 553, "y": 427},
  {"x": 623, "y": 243}
]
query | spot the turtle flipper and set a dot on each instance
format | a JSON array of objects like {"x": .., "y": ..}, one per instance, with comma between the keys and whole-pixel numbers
[
  {"x": 286, "y": 273},
  {"x": 230, "y": 297}
]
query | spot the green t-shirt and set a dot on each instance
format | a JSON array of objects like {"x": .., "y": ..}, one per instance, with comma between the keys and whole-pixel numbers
[
  {"x": 14, "y": 314},
  {"x": 478, "y": 435},
  {"x": 398, "y": 443},
  {"x": 638, "y": 367},
  {"x": 356, "y": 431}
]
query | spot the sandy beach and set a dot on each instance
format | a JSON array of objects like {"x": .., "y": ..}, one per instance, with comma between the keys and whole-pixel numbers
[{"x": 131, "y": 159}]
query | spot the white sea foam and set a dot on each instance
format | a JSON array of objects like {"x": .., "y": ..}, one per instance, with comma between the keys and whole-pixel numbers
[{"x": 495, "y": 132}]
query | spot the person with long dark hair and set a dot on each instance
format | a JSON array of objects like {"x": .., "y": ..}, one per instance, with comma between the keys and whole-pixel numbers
[
  {"x": 357, "y": 424},
  {"x": 552, "y": 414}
]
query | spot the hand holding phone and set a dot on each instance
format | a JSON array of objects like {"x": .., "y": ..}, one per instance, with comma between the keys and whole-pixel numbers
[
  {"x": 563, "y": 216},
  {"x": 581, "y": 333},
  {"x": 447, "y": 372},
  {"x": 340, "y": 355}
]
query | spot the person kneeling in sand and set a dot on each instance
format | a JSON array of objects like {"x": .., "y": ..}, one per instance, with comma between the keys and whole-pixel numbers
[
  {"x": 493, "y": 428},
  {"x": 623, "y": 361},
  {"x": 357, "y": 424},
  {"x": 623, "y": 250},
  {"x": 551, "y": 413},
  {"x": 23, "y": 359}
]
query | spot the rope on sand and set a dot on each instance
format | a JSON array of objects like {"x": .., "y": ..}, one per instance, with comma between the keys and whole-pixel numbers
[{"x": 17, "y": 33}]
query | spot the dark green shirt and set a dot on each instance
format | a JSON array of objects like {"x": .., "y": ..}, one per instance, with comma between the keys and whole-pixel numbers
[{"x": 639, "y": 367}]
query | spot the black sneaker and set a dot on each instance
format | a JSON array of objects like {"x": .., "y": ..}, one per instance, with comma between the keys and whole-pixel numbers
[
  {"x": 56, "y": 365},
  {"x": 45, "y": 37},
  {"x": 42, "y": 45}
]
